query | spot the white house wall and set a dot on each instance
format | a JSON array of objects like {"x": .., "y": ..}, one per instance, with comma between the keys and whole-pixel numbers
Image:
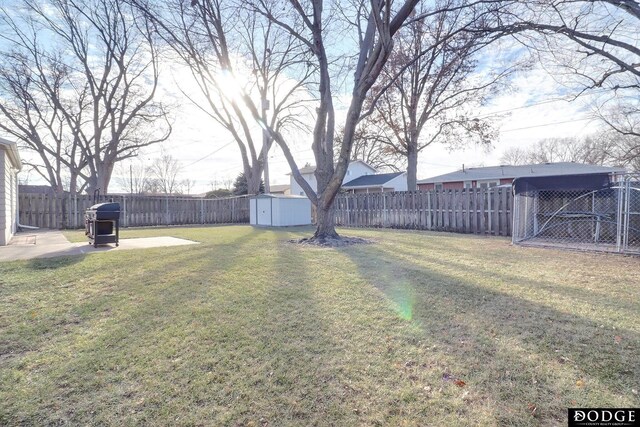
[
  {"x": 296, "y": 190},
  {"x": 399, "y": 183},
  {"x": 8, "y": 198},
  {"x": 354, "y": 170}
]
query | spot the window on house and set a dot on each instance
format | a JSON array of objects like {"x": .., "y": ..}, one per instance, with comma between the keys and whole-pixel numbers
[
  {"x": 468, "y": 184},
  {"x": 302, "y": 193},
  {"x": 488, "y": 184},
  {"x": 439, "y": 187}
]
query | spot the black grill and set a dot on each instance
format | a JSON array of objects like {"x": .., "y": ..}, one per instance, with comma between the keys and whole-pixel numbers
[{"x": 102, "y": 223}]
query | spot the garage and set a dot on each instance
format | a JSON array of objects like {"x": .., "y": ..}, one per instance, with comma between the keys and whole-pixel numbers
[
  {"x": 10, "y": 165},
  {"x": 274, "y": 210}
]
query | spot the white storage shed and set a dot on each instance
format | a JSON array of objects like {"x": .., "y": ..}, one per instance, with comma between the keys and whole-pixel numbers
[
  {"x": 275, "y": 210},
  {"x": 10, "y": 165}
]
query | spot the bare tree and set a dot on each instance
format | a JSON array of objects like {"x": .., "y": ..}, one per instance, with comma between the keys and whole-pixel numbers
[
  {"x": 605, "y": 147},
  {"x": 586, "y": 44},
  {"x": 307, "y": 27},
  {"x": 313, "y": 24},
  {"x": 619, "y": 149},
  {"x": 33, "y": 113},
  {"x": 233, "y": 52},
  {"x": 133, "y": 178},
  {"x": 371, "y": 144},
  {"x": 515, "y": 156},
  {"x": 432, "y": 97},
  {"x": 78, "y": 87},
  {"x": 164, "y": 174},
  {"x": 187, "y": 185}
]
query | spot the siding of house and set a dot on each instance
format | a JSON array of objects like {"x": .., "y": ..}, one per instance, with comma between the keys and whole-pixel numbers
[
  {"x": 399, "y": 183},
  {"x": 357, "y": 169},
  {"x": 8, "y": 198},
  {"x": 296, "y": 190},
  {"x": 354, "y": 170},
  {"x": 458, "y": 185},
  {"x": 426, "y": 187}
]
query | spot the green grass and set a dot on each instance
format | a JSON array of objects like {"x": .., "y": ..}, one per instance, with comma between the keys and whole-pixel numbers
[{"x": 246, "y": 329}]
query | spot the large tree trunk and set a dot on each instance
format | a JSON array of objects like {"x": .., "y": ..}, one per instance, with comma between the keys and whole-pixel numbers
[
  {"x": 326, "y": 222},
  {"x": 412, "y": 169},
  {"x": 100, "y": 180},
  {"x": 253, "y": 180}
]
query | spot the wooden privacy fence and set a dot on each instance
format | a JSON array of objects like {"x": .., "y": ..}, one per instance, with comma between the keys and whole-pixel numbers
[
  {"x": 479, "y": 211},
  {"x": 67, "y": 210}
]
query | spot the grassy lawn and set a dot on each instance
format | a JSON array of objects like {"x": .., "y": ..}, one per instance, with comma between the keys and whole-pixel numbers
[{"x": 246, "y": 329}]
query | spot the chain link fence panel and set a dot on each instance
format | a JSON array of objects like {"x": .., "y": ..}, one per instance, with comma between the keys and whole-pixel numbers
[{"x": 606, "y": 219}]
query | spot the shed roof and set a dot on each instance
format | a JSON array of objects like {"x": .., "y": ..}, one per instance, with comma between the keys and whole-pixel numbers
[
  {"x": 277, "y": 196},
  {"x": 511, "y": 171},
  {"x": 374, "y": 180},
  {"x": 12, "y": 149}
]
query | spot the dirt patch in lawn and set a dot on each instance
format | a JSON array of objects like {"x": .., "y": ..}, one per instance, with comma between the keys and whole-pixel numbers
[{"x": 332, "y": 243}]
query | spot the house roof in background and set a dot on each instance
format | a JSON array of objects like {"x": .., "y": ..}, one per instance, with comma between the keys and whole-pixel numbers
[
  {"x": 12, "y": 149},
  {"x": 375, "y": 180},
  {"x": 279, "y": 188},
  {"x": 312, "y": 168},
  {"x": 510, "y": 171}
]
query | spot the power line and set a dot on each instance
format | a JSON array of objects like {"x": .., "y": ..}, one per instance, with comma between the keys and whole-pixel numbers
[
  {"x": 211, "y": 154},
  {"x": 547, "y": 124}
]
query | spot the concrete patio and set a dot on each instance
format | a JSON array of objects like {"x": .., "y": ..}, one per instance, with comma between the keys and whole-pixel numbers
[{"x": 52, "y": 243}]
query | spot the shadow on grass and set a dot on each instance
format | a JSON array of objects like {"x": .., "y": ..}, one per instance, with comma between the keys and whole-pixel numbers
[
  {"x": 514, "y": 350},
  {"x": 61, "y": 260},
  {"x": 598, "y": 299},
  {"x": 119, "y": 341}
]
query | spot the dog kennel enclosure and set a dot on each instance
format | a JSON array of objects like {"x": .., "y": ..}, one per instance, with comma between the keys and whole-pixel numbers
[{"x": 598, "y": 212}]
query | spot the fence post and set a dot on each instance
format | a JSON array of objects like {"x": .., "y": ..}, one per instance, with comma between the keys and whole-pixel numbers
[
  {"x": 124, "y": 204},
  {"x": 347, "y": 219},
  {"x": 75, "y": 211},
  {"x": 166, "y": 219},
  {"x": 489, "y": 216},
  {"x": 619, "y": 231}
]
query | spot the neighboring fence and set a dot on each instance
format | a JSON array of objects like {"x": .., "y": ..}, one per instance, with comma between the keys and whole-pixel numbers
[
  {"x": 67, "y": 211},
  {"x": 479, "y": 211}
]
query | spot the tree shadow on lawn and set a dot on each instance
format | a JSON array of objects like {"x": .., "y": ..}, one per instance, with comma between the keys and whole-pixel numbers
[
  {"x": 514, "y": 354},
  {"x": 601, "y": 299},
  {"x": 279, "y": 355},
  {"x": 59, "y": 261},
  {"x": 121, "y": 344}
]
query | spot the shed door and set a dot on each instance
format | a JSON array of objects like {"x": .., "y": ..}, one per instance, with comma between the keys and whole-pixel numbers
[{"x": 264, "y": 211}]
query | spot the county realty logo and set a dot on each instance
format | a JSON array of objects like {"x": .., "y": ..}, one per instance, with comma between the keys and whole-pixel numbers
[{"x": 618, "y": 417}]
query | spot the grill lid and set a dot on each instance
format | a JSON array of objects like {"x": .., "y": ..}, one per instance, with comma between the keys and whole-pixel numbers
[{"x": 105, "y": 207}]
